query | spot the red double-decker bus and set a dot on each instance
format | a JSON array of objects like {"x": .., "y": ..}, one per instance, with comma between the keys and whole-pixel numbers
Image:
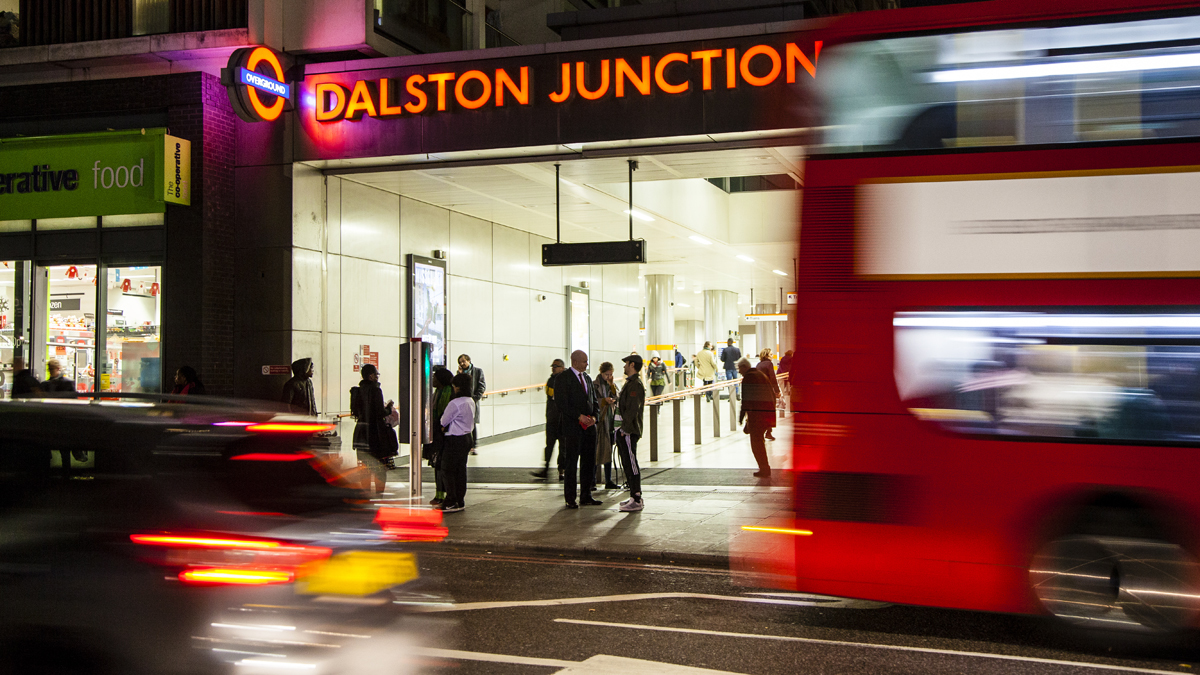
[{"x": 997, "y": 375}]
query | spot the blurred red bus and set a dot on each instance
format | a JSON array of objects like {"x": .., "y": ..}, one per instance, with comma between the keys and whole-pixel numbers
[{"x": 998, "y": 329}]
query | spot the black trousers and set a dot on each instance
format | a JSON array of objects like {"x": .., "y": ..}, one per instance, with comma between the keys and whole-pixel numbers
[
  {"x": 453, "y": 467},
  {"x": 577, "y": 449},
  {"x": 627, "y": 446},
  {"x": 553, "y": 435}
]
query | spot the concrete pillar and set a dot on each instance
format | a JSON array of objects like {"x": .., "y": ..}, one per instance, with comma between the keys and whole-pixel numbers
[
  {"x": 720, "y": 316},
  {"x": 767, "y": 331},
  {"x": 660, "y": 317}
]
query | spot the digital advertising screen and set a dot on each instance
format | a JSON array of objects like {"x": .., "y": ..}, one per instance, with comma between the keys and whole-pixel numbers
[{"x": 427, "y": 304}]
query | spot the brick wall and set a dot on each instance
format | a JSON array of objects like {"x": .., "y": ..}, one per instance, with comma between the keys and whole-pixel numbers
[{"x": 198, "y": 288}]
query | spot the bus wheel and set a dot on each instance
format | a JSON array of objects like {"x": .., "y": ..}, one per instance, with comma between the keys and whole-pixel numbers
[{"x": 1117, "y": 582}]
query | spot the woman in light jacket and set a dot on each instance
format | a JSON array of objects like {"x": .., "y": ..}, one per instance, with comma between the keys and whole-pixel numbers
[
  {"x": 706, "y": 366},
  {"x": 606, "y": 398},
  {"x": 458, "y": 421}
]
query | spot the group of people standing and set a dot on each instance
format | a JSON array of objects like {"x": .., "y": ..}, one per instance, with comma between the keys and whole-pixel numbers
[{"x": 587, "y": 418}]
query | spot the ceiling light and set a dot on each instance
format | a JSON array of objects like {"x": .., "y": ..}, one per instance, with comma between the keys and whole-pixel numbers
[
  {"x": 1094, "y": 67},
  {"x": 564, "y": 181},
  {"x": 682, "y": 304},
  {"x": 780, "y": 273},
  {"x": 746, "y": 258},
  {"x": 697, "y": 291},
  {"x": 640, "y": 216},
  {"x": 700, "y": 240}
]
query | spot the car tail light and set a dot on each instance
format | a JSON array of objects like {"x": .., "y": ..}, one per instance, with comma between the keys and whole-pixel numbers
[
  {"x": 213, "y": 559},
  {"x": 407, "y": 524},
  {"x": 272, "y": 456},
  {"x": 289, "y": 427}
]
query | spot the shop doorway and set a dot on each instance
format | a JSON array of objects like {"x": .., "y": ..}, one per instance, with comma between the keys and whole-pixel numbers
[{"x": 101, "y": 328}]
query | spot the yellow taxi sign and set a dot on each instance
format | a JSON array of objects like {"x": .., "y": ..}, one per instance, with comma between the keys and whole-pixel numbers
[{"x": 358, "y": 573}]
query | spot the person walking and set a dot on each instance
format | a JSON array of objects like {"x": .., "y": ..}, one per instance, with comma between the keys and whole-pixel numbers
[
  {"x": 729, "y": 359},
  {"x": 25, "y": 385},
  {"x": 574, "y": 395},
  {"x": 57, "y": 385},
  {"x": 606, "y": 398},
  {"x": 374, "y": 441},
  {"x": 658, "y": 375},
  {"x": 443, "y": 391},
  {"x": 706, "y": 366},
  {"x": 478, "y": 386},
  {"x": 187, "y": 382},
  {"x": 680, "y": 373},
  {"x": 458, "y": 421},
  {"x": 785, "y": 368},
  {"x": 768, "y": 368},
  {"x": 298, "y": 393},
  {"x": 758, "y": 412},
  {"x": 553, "y": 427},
  {"x": 630, "y": 404}
]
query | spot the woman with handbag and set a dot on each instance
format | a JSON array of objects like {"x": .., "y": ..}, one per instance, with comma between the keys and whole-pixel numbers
[
  {"x": 374, "y": 440},
  {"x": 458, "y": 421}
]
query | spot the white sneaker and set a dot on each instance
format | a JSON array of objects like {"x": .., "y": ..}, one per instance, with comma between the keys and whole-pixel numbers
[{"x": 629, "y": 505}]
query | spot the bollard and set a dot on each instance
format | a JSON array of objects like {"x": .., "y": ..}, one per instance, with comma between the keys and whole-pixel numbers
[
  {"x": 654, "y": 431},
  {"x": 733, "y": 416},
  {"x": 717, "y": 414},
  {"x": 697, "y": 398},
  {"x": 677, "y": 404}
]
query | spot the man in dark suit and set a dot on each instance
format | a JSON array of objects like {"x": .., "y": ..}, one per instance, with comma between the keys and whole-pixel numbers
[{"x": 575, "y": 398}]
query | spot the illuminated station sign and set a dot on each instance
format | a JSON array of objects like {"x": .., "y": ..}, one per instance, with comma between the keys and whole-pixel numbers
[
  {"x": 255, "y": 81},
  {"x": 393, "y": 106}
]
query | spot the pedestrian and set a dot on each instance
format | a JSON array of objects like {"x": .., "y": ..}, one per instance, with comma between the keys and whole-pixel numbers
[
  {"x": 25, "y": 385},
  {"x": 658, "y": 375},
  {"x": 680, "y": 373},
  {"x": 630, "y": 404},
  {"x": 374, "y": 441},
  {"x": 478, "y": 386},
  {"x": 574, "y": 395},
  {"x": 553, "y": 426},
  {"x": 458, "y": 421},
  {"x": 298, "y": 394},
  {"x": 758, "y": 412},
  {"x": 785, "y": 368},
  {"x": 57, "y": 385},
  {"x": 706, "y": 366},
  {"x": 729, "y": 359},
  {"x": 443, "y": 391},
  {"x": 187, "y": 382},
  {"x": 768, "y": 368},
  {"x": 606, "y": 398}
]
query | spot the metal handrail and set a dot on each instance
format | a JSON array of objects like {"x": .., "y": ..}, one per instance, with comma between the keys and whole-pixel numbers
[{"x": 692, "y": 391}]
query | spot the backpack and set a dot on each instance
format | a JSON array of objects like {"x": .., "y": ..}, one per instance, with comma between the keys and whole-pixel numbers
[{"x": 355, "y": 404}]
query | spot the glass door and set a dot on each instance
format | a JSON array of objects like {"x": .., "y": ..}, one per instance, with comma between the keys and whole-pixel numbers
[
  {"x": 14, "y": 319},
  {"x": 132, "y": 329},
  {"x": 67, "y": 359}
]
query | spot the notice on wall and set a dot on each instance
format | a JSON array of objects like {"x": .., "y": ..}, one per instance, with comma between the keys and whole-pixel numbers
[
  {"x": 365, "y": 356},
  {"x": 793, "y": 298},
  {"x": 276, "y": 370}
]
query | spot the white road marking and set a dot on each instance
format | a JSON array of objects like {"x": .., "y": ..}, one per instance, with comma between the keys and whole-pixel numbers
[
  {"x": 843, "y": 643},
  {"x": 629, "y": 597},
  {"x": 600, "y": 664}
]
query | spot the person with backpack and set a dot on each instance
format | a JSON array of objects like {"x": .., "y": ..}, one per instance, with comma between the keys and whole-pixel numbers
[
  {"x": 374, "y": 440},
  {"x": 458, "y": 422}
]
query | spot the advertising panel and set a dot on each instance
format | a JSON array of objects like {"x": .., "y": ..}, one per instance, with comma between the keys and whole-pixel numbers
[
  {"x": 102, "y": 174},
  {"x": 427, "y": 304},
  {"x": 579, "y": 322}
]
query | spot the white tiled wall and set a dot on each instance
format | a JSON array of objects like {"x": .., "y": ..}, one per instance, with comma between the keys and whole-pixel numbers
[{"x": 496, "y": 285}]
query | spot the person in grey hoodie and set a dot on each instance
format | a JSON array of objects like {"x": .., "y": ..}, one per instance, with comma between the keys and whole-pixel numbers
[{"x": 298, "y": 392}]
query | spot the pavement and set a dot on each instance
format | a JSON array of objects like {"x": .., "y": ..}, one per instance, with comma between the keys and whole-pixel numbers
[{"x": 690, "y": 524}]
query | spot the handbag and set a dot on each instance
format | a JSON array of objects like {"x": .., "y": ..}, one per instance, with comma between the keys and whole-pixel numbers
[{"x": 392, "y": 419}]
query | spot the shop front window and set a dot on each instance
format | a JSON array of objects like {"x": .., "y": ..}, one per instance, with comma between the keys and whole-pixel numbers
[
  {"x": 14, "y": 318},
  {"x": 70, "y": 326},
  {"x": 133, "y": 350}
]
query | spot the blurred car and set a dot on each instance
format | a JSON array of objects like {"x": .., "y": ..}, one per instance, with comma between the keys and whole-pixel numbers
[{"x": 144, "y": 535}]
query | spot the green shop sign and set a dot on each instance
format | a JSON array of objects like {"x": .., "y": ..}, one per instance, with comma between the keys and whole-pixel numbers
[{"x": 102, "y": 174}]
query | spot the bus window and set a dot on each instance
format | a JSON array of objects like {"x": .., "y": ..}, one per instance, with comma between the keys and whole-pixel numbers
[
  {"x": 1117, "y": 377},
  {"x": 1067, "y": 84}
]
